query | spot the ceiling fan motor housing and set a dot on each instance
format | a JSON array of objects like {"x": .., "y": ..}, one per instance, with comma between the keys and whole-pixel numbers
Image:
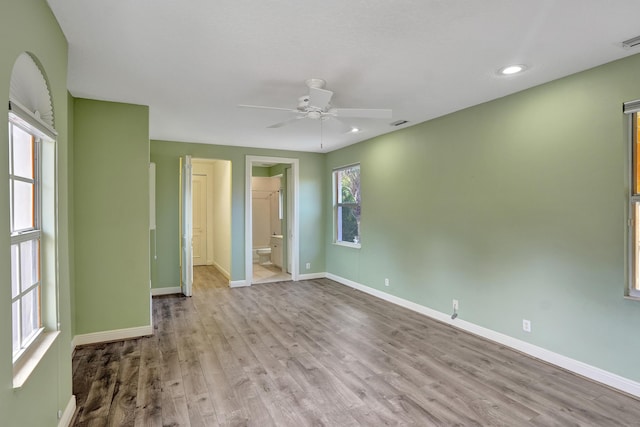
[
  {"x": 315, "y": 83},
  {"x": 303, "y": 102}
]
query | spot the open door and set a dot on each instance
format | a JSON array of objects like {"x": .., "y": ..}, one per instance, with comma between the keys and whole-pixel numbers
[
  {"x": 186, "y": 227},
  {"x": 289, "y": 207}
]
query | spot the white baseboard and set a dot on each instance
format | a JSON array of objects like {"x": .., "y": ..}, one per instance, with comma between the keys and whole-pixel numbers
[
  {"x": 68, "y": 413},
  {"x": 222, "y": 270},
  {"x": 311, "y": 276},
  {"x": 239, "y": 283},
  {"x": 166, "y": 291},
  {"x": 581, "y": 368},
  {"x": 115, "y": 335}
]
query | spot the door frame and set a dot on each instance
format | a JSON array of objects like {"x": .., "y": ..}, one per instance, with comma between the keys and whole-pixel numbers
[
  {"x": 186, "y": 219},
  {"x": 294, "y": 235}
]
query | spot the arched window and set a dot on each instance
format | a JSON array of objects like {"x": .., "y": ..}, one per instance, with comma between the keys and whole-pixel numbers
[{"x": 32, "y": 205}]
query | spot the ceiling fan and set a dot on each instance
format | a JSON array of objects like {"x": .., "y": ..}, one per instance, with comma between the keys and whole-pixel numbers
[{"x": 317, "y": 105}]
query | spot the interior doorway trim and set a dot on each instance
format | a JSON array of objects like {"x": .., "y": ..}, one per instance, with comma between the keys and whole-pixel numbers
[{"x": 294, "y": 235}]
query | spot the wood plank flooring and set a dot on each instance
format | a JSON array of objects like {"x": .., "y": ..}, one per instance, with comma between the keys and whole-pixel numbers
[{"x": 316, "y": 353}]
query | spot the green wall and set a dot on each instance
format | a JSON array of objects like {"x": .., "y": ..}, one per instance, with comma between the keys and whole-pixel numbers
[
  {"x": 166, "y": 156},
  {"x": 70, "y": 236},
  {"x": 260, "y": 171},
  {"x": 29, "y": 26},
  {"x": 111, "y": 214},
  {"x": 516, "y": 208}
]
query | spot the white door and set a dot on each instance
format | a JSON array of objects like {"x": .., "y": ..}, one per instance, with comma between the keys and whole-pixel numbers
[
  {"x": 289, "y": 210},
  {"x": 186, "y": 227},
  {"x": 199, "y": 234}
]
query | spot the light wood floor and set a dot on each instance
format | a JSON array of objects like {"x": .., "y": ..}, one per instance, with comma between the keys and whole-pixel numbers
[
  {"x": 268, "y": 273},
  {"x": 316, "y": 353}
]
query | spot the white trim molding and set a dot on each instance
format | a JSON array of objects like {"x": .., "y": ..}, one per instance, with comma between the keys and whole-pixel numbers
[
  {"x": 67, "y": 416},
  {"x": 114, "y": 335},
  {"x": 31, "y": 358},
  {"x": 292, "y": 240},
  {"x": 239, "y": 283},
  {"x": 311, "y": 276},
  {"x": 169, "y": 290},
  {"x": 596, "y": 374}
]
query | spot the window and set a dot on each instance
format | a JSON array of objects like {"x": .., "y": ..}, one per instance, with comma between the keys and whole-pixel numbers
[
  {"x": 25, "y": 228},
  {"x": 347, "y": 210},
  {"x": 634, "y": 208},
  {"x": 32, "y": 208}
]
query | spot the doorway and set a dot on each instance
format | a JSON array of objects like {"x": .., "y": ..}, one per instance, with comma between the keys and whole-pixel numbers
[
  {"x": 272, "y": 256},
  {"x": 269, "y": 219},
  {"x": 205, "y": 217}
]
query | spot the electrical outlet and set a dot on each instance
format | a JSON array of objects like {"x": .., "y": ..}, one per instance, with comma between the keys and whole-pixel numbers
[
  {"x": 308, "y": 266},
  {"x": 526, "y": 325},
  {"x": 455, "y": 304},
  {"x": 386, "y": 282}
]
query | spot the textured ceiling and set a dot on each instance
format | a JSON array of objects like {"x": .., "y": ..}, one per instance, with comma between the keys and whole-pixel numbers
[{"x": 194, "y": 61}]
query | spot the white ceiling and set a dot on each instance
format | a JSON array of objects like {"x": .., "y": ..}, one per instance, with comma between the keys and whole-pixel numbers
[{"x": 193, "y": 61}]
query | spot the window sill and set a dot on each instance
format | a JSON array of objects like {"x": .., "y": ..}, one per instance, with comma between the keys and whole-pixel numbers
[
  {"x": 28, "y": 362},
  {"x": 632, "y": 297},
  {"x": 348, "y": 244}
]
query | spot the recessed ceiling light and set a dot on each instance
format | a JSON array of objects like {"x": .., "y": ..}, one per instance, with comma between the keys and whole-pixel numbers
[
  {"x": 355, "y": 130},
  {"x": 512, "y": 69}
]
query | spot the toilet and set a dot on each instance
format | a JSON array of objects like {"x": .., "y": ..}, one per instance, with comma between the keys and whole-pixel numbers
[{"x": 264, "y": 255}]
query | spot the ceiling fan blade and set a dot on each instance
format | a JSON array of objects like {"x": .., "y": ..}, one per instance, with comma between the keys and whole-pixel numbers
[
  {"x": 319, "y": 98},
  {"x": 366, "y": 113},
  {"x": 267, "y": 108},
  {"x": 286, "y": 122}
]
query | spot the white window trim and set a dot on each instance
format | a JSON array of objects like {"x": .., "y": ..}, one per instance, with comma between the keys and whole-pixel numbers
[
  {"x": 28, "y": 358},
  {"x": 630, "y": 108},
  {"x": 32, "y": 355},
  {"x": 334, "y": 190},
  {"x": 32, "y": 234},
  {"x": 347, "y": 244}
]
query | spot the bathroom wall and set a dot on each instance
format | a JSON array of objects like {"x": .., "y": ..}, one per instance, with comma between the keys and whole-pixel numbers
[
  {"x": 274, "y": 207},
  {"x": 265, "y": 210}
]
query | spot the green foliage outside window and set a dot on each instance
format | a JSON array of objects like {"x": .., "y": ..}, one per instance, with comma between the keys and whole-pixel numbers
[{"x": 349, "y": 209}]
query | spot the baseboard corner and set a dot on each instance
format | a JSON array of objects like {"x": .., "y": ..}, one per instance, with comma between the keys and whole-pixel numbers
[
  {"x": 168, "y": 290},
  {"x": 69, "y": 412},
  {"x": 113, "y": 335},
  {"x": 238, "y": 283}
]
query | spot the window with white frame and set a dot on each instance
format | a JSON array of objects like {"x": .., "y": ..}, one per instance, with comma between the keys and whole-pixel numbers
[
  {"x": 33, "y": 224},
  {"x": 634, "y": 204},
  {"x": 346, "y": 205},
  {"x": 25, "y": 228}
]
